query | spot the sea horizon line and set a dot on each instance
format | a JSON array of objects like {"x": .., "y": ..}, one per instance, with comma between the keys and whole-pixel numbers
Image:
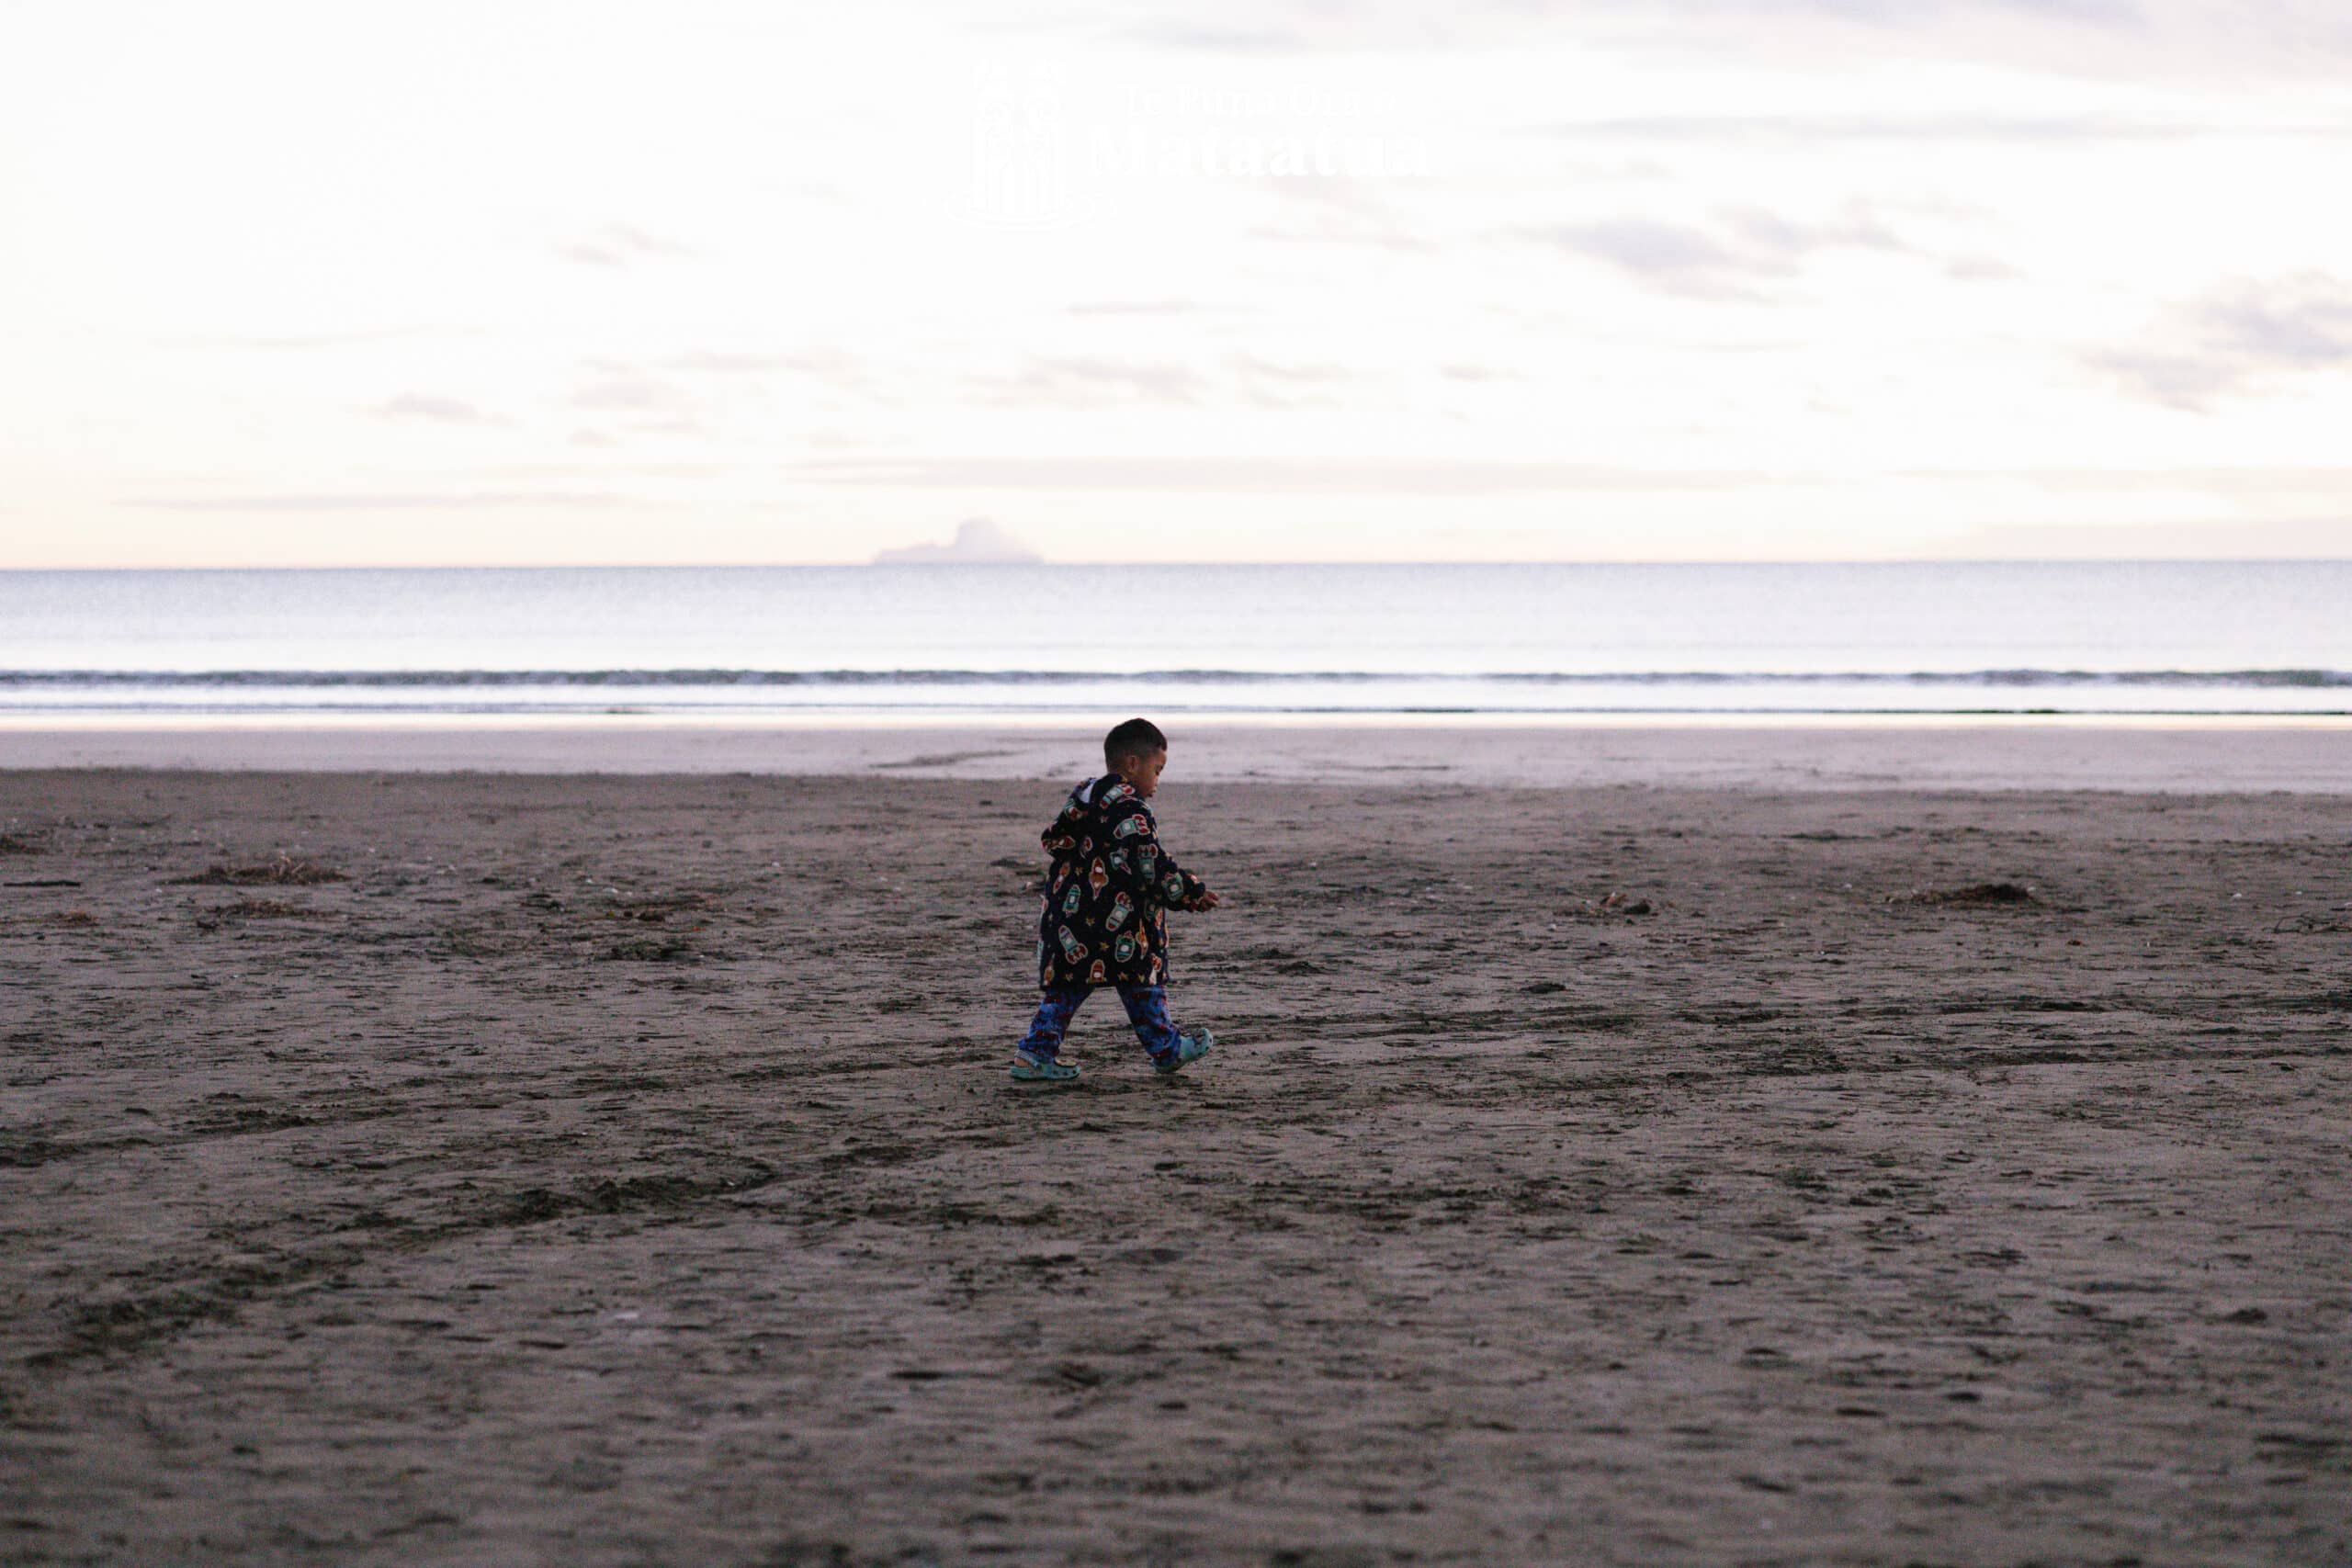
[{"x": 1174, "y": 566}]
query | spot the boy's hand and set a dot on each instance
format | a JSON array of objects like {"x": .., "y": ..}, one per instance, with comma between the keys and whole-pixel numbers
[{"x": 1207, "y": 901}]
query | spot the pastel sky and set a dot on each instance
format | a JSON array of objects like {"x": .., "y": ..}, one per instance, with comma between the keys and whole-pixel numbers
[{"x": 304, "y": 284}]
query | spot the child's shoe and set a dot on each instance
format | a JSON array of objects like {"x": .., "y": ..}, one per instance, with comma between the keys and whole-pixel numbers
[
  {"x": 1189, "y": 1048},
  {"x": 1032, "y": 1069}
]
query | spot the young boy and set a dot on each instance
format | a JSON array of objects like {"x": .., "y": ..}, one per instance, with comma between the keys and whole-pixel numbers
[{"x": 1103, "y": 923}]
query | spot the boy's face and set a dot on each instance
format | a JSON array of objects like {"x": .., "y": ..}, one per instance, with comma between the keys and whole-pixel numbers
[{"x": 1142, "y": 770}]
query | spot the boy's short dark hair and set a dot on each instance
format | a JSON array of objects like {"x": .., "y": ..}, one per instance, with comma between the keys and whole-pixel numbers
[{"x": 1136, "y": 737}]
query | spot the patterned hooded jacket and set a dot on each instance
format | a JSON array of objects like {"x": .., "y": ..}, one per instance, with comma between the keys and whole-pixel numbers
[{"x": 1106, "y": 895}]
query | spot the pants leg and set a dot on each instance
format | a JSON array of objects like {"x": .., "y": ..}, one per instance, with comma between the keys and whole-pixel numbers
[
  {"x": 1148, "y": 1011},
  {"x": 1044, "y": 1041}
]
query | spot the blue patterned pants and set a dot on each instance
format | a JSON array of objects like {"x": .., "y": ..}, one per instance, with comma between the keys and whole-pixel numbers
[{"x": 1146, "y": 1009}]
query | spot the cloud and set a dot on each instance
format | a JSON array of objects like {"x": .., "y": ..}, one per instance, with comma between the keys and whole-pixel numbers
[
  {"x": 619, "y": 245},
  {"x": 301, "y": 341},
  {"x": 1139, "y": 308},
  {"x": 1270, "y": 27},
  {"x": 1304, "y": 374},
  {"x": 1267, "y": 383},
  {"x": 653, "y": 386},
  {"x": 428, "y": 408},
  {"x": 1807, "y": 128},
  {"x": 441, "y": 501},
  {"x": 1328, "y": 210},
  {"x": 2249, "y": 479},
  {"x": 629, "y": 391},
  {"x": 1390, "y": 475},
  {"x": 1094, "y": 381},
  {"x": 821, "y": 362},
  {"x": 1083, "y": 382},
  {"x": 1726, "y": 262},
  {"x": 2243, "y": 338},
  {"x": 1672, "y": 256},
  {"x": 1979, "y": 269},
  {"x": 978, "y": 541},
  {"x": 1177, "y": 34},
  {"x": 2135, "y": 41},
  {"x": 1772, "y": 234},
  {"x": 2129, "y": 14}
]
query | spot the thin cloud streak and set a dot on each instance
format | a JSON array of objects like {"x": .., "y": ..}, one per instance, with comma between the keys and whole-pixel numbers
[
  {"x": 2304, "y": 487},
  {"x": 452, "y": 501},
  {"x": 2137, "y": 41},
  {"x": 1408, "y": 476},
  {"x": 1905, "y": 13},
  {"x": 1435, "y": 476},
  {"x": 297, "y": 341},
  {"x": 619, "y": 245},
  {"x": 707, "y": 362},
  {"x": 2040, "y": 131},
  {"x": 1080, "y": 382},
  {"x": 432, "y": 409},
  {"x": 1745, "y": 247},
  {"x": 1142, "y": 307},
  {"x": 631, "y": 393},
  {"x": 1238, "y": 40}
]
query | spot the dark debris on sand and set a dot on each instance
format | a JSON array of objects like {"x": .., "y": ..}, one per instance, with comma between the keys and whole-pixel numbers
[
  {"x": 283, "y": 871},
  {"x": 213, "y": 919},
  {"x": 652, "y": 909},
  {"x": 1977, "y": 893}
]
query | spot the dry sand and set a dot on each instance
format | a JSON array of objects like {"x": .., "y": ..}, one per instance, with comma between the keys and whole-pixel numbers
[{"x": 621, "y": 1170}]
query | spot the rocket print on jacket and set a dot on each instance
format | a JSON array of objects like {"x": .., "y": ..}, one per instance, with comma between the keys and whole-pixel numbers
[{"x": 1108, "y": 893}]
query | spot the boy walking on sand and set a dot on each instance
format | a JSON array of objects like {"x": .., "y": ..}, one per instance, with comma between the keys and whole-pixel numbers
[{"x": 1104, "y": 922}]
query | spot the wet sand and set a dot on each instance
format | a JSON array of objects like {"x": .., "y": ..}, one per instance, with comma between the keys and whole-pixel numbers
[
  {"x": 2189, "y": 754},
  {"x": 621, "y": 1170}
]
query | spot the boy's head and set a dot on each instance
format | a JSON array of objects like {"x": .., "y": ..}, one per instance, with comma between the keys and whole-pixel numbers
[{"x": 1135, "y": 751}]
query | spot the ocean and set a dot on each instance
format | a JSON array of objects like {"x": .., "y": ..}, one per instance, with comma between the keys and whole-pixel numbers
[{"x": 2070, "y": 638}]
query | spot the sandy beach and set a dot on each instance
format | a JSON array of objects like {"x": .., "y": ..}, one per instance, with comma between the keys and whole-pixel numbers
[{"x": 532, "y": 1168}]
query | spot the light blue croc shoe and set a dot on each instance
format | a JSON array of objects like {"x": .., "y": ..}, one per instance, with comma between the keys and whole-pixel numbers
[
  {"x": 1189, "y": 1048},
  {"x": 1030, "y": 1069}
]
